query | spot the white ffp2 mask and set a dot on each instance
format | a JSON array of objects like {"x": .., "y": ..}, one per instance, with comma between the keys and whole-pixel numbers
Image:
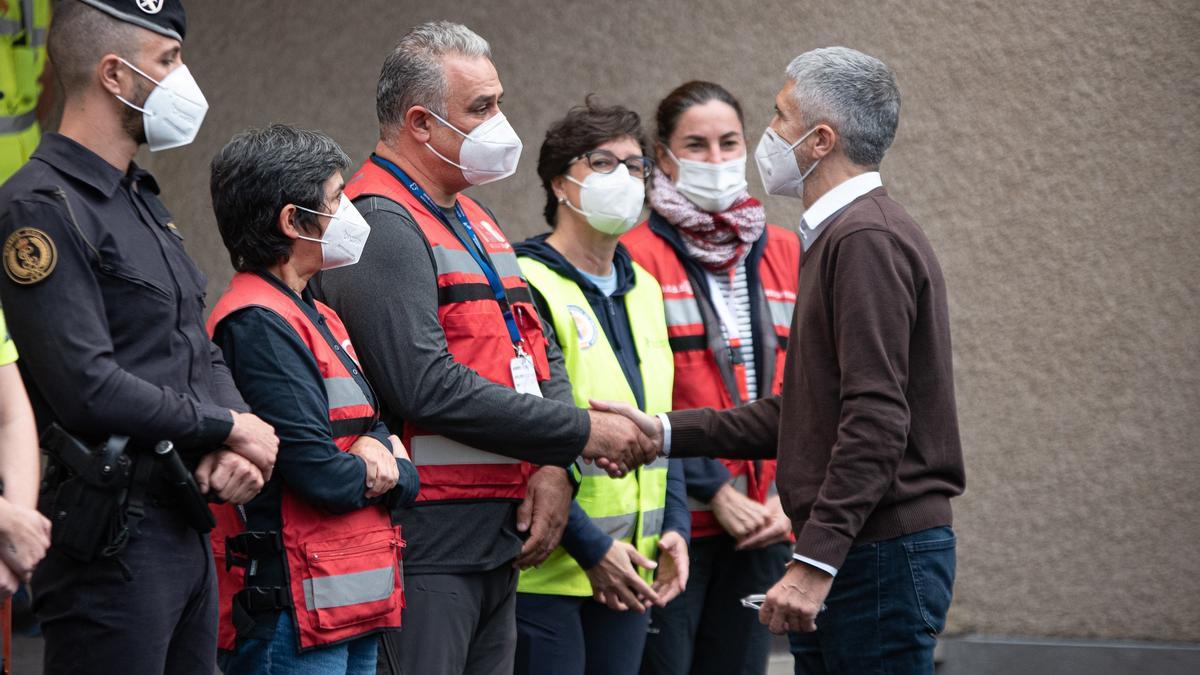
[
  {"x": 489, "y": 153},
  {"x": 344, "y": 239},
  {"x": 778, "y": 166},
  {"x": 712, "y": 187},
  {"x": 173, "y": 112},
  {"x": 611, "y": 202}
]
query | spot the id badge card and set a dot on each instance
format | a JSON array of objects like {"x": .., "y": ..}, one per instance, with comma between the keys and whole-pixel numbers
[{"x": 524, "y": 375}]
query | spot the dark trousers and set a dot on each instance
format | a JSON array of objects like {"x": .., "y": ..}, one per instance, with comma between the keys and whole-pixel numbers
[
  {"x": 455, "y": 623},
  {"x": 706, "y": 630},
  {"x": 566, "y": 635},
  {"x": 162, "y": 621},
  {"x": 885, "y": 609}
]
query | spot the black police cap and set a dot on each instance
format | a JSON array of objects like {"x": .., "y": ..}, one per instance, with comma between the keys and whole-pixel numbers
[{"x": 165, "y": 17}]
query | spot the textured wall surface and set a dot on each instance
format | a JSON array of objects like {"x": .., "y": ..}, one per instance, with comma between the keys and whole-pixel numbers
[{"x": 1050, "y": 151}]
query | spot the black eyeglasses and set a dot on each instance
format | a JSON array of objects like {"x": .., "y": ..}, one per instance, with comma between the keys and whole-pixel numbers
[{"x": 603, "y": 161}]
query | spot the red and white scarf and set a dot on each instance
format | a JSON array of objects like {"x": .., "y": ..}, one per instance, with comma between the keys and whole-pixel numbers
[{"x": 717, "y": 241}]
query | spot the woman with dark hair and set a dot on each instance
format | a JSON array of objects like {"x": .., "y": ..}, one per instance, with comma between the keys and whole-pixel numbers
[
  {"x": 584, "y": 609},
  {"x": 310, "y": 568},
  {"x": 729, "y": 284}
]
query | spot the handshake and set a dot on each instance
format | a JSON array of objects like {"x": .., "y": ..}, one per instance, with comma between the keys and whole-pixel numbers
[{"x": 622, "y": 438}]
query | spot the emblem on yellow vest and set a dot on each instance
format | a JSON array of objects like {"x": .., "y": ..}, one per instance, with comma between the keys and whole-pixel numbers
[{"x": 585, "y": 328}]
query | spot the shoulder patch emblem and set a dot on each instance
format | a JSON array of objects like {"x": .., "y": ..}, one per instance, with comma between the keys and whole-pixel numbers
[{"x": 29, "y": 256}]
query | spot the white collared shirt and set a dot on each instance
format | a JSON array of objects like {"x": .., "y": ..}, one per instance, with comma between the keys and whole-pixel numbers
[{"x": 817, "y": 216}]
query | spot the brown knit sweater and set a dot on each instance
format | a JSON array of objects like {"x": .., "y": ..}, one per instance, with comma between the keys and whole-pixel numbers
[{"x": 865, "y": 429}]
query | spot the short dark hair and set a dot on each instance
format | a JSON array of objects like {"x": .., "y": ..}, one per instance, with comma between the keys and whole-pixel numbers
[
  {"x": 686, "y": 95},
  {"x": 259, "y": 172},
  {"x": 584, "y": 128},
  {"x": 80, "y": 36}
]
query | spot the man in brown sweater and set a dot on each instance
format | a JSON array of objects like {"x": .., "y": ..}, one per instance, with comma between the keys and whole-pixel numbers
[{"x": 865, "y": 430}]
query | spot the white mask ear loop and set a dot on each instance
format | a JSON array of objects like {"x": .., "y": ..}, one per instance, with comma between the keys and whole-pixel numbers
[
  {"x": 139, "y": 71},
  {"x": 331, "y": 216}
]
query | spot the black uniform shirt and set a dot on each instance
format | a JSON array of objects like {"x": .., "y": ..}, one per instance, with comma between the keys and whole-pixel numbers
[{"x": 106, "y": 307}]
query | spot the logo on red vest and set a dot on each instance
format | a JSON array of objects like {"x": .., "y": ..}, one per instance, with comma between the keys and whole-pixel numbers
[
  {"x": 492, "y": 233},
  {"x": 683, "y": 288}
]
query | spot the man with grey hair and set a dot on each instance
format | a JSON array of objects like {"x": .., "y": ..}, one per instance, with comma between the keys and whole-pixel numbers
[
  {"x": 865, "y": 429},
  {"x": 479, "y": 390}
]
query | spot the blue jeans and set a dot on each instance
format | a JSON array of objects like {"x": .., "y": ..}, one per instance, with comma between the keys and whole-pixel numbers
[
  {"x": 280, "y": 655},
  {"x": 885, "y": 609}
]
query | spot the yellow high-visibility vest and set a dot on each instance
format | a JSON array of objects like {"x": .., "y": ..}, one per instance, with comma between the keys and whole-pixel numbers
[
  {"x": 23, "y": 27},
  {"x": 630, "y": 508}
]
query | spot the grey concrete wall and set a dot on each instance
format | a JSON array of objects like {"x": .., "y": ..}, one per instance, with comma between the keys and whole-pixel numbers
[{"x": 1050, "y": 151}]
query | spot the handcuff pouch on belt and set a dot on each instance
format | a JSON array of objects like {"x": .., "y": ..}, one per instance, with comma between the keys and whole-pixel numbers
[{"x": 249, "y": 550}]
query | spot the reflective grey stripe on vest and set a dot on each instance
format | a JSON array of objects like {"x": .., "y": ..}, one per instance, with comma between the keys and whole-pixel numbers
[
  {"x": 344, "y": 392},
  {"x": 659, "y": 463},
  {"x": 682, "y": 312},
  {"x": 652, "y": 522},
  {"x": 10, "y": 27},
  {"x": 17, "y": 123},
  {"x": 739, "y": 483},
  {"x": 781, "y": 312},
  {"x": 355, "y": 588},
  {"x": 450, "y": 260},
  {"x": 442, "y": 451},
  {"x": 36, "y": 37},
  {"x": 617, "y": 527}
]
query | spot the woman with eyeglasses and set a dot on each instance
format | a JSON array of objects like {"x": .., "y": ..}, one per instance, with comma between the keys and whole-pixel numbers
[
  {"x": 729, "y": 282},
  {"x": 584, "y": 610}
]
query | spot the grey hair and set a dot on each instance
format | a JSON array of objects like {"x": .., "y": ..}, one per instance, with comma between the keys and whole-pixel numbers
[
  {"x": 259, "y": 172},
  {"x": 854, "y": 93},
  {"x": 413, "y": 75}
]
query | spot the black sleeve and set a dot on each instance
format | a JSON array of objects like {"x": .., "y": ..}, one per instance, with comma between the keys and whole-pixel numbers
[
  {"x": 389, "y": 304},
  {"x": 225, "y": 392},
  {"x": 278, "y": 377},
  {"x": 677, "y": 517},
  {"x": 61, "y": 330},
  {"x": 703, "y": 476}
]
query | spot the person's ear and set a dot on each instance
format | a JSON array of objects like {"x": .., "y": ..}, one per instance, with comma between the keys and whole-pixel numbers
[
  {"x": 824, "y": 139},
  {"x": 662, "y": 160},
  {"x": 559, "y": 185},
  {"x": 113, "y": 74},
  {"x": 287, "y": 221},
  {"x": 418, "y": 122}
]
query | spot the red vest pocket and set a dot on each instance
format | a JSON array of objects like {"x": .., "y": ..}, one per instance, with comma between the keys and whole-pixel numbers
[{"x": 353, "y": 579}]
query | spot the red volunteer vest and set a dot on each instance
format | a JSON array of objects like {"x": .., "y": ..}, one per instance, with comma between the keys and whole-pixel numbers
[
  {"x": 698, "y": 380},
  {"x": 344, "y": 571},
  {"x": 476, "y": 337}
]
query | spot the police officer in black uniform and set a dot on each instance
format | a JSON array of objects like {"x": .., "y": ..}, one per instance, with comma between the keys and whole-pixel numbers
[{"x": 107, "y": 311}]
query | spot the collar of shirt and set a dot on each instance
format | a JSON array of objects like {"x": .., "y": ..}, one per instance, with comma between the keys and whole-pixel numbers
[
  {"x": 80, "y": 163},
  {"x": 817, "y": 216}
]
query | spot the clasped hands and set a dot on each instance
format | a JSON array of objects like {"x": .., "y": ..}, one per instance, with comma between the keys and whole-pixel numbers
[{"x": 622, "y": 438}]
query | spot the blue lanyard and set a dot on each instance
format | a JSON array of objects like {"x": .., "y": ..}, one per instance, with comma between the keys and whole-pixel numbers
[{"x": 474, "y": 247}]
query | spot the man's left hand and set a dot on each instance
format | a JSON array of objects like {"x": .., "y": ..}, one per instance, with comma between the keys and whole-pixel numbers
[
  {"x": 777, "y": 529},
  {"x": 543, "y": 514},
  {"x": 673, "y": 566},
  {"x": 794, "y": 601},
  {"x": 231, "y": 476}
]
